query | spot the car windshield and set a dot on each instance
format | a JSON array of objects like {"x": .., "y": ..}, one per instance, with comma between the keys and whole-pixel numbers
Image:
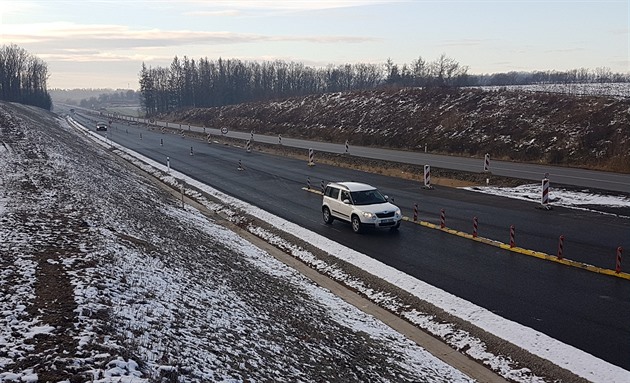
[{"x": 367, "y": 197}]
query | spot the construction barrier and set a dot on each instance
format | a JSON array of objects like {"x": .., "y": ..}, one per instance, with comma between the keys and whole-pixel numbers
[
  {"x": 475, "y": 226},
  {"x": 545, "y": 193},
  {"x": 512, "y": 235},
  {"x": 308, "y": 183},
  {"x": 561, "y": 247},
  {"x": 415, "y": 212},
  {"x": 248, "y": 146},
  {"x": 347, "y": 147},
  {"x": 240, "y": 165},
  {"x": 311, "y": 157},
  {"x": 486, "y": 163},
  {"x": 279, "y": 139},
  {"x": 442, "y": 219},
  {"x": 427, "y": 176},
  {"x": 618, "y": 261}
]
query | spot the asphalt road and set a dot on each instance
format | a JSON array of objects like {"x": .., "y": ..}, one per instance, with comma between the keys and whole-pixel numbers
[
  {"x": 580, "y": 308},
  {"x": 558, "y": 175}
]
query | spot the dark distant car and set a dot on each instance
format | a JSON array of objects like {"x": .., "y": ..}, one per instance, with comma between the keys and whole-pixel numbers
[{"x": 101, "y": 126}]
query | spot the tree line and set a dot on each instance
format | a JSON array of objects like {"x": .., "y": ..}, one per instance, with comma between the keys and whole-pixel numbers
[
  {"x": 188, "y": 83},
  {"x": 123, "y": 97},
  {"x": 205, "y": 83},
  {"x": 23, "y": 77}
]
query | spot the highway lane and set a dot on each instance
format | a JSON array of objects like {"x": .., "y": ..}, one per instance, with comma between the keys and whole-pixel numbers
[
  {"x": 558, "y": 175},
  {"x": 583, "y": 309}
]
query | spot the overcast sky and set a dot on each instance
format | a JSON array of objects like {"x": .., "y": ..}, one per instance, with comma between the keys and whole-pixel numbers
[{"x": 102, "y": 43}]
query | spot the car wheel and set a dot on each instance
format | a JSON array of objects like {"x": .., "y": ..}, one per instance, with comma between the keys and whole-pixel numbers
[
  {"x": 356, "y": 224},
  {"x": 328, "y": 218}
]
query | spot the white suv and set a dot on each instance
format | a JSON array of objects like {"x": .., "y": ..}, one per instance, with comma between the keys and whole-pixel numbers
[{"x": 360, "y": 204}]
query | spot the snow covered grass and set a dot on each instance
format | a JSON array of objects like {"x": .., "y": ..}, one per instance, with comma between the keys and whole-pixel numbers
[
  {"x": 559, "y": 196},
  {"x": 568, "y": 357}
]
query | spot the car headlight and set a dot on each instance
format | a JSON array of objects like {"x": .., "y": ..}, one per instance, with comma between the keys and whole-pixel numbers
[
  {"x": 368, "y": 215},
  {"x": 398, "y": 213}
]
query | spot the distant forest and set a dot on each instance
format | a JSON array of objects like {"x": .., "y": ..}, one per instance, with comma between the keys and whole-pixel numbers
[
  {"x": 23, "y": 77},
  {"x": 189, "y": 83}
]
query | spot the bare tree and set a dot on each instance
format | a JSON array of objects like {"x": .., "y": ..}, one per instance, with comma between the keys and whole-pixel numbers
[{"x": 23, "y": 77}]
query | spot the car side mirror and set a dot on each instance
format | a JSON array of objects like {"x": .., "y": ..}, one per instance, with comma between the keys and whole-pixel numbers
[{"x": 346, "y": 201}]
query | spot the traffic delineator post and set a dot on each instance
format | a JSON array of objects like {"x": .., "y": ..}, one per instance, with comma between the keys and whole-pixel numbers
[{"x": 561, "y": 247}]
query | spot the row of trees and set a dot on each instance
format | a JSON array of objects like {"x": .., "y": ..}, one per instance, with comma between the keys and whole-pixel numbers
[
  {"x": 206, "y": 83},
  {"x": 123, "y": 97},
  {"x": 574, "y": 76},
  {"x": 23, "y": 77}
]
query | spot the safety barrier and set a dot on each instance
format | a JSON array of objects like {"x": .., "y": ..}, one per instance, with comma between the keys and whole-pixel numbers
[{"x": 511, "y": 246}]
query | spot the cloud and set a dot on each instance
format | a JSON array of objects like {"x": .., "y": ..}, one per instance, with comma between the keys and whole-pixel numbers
[
  {"x": 295, "y": 5},
  {"x": 64, "y": 34},
  {"x": 464, "y": 42},
  {"x": 218, "y": 13}
]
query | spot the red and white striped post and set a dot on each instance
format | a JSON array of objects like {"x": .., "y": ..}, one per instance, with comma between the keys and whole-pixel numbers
[
  {"x": 311, "y": 156},
  {"x": 248, "y": 146},
  {"x": 279, "y": 139},
  {"x": 308, "y": 183},
  {"x": 544, "y": 200},
  {"x": 442, "y": 219},
  {"x": 512, "y": 235},
  {"x": 475, "y": 226},
  {"x": 486, "y": 163},
  {"x": 415, "y": 212},
  {"x": 427, "y": 176},
  {"x": 561, "y": 247},
  {"x": 618, "y": 261},
  {"x": 347, "y": 147}
]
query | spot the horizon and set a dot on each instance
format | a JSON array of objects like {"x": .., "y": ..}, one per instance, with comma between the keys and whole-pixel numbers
[{"x": 102, "y": 44}]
